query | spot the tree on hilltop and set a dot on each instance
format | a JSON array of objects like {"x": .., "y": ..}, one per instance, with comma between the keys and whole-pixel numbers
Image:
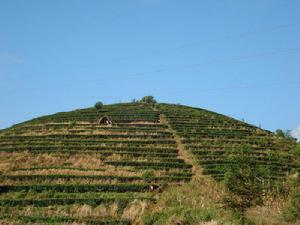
[
  {"x": 284, "y": 134},
  {"x": 98, "y": 105},
  {"x": 149, "y": 100}
]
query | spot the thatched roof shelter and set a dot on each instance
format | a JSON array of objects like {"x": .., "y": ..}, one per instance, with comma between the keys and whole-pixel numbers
[{"x": 105, "y": 120}]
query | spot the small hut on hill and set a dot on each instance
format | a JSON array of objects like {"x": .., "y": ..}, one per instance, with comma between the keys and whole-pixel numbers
[{"x": 105, "y": 120}]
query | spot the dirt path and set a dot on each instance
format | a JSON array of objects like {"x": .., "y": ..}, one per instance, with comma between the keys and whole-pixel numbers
[{"x": 182, "y": 152}]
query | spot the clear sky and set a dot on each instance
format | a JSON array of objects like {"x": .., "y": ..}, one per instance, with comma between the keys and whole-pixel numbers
[{"x": 240, "y": 58}]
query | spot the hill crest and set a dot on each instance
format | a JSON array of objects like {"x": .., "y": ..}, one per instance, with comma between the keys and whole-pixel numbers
[{"x": 69, "y": 159}]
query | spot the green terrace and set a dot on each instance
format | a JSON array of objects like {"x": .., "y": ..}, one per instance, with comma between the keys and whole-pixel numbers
[
  {"x": 210, "y": 137},
  {"x": 119, "y": 113},
  {"x": 121, "y": 187},
  {"x": 71, "y": 178},
  {"x": 55, "y": 164}
]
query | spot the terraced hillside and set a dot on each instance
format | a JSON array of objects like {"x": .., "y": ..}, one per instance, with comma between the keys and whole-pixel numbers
[
  {"x": 67, "y": 167},
  {"x": 209, "y": 136}
]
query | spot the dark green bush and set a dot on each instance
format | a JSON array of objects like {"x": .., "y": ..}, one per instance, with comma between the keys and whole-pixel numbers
[
  {"x": 149, "y": 100},
  {"x": 292, "y": 211},
  {"x": 80, "y": 188},
  {"x": 148, "y": 175},
  {"x": 98, "y": 105}
]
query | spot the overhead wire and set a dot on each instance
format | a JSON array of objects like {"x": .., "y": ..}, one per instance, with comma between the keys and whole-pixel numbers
[
  {"x": 232, "y": 36},
  {"x": 250, "y": 86},
  {"x": 208, "y": 41},
  {"x": 184, "y": 67}
]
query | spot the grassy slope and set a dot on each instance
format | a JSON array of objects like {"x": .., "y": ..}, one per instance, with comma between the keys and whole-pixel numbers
[
  {"x": 144, "y": 146},
  {"x": 200, "y": 201}
]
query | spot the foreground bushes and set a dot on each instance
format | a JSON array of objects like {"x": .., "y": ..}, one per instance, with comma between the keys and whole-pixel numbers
[
  {"x": 179, "y": 215},
  {"x": 292, "y": 211}
]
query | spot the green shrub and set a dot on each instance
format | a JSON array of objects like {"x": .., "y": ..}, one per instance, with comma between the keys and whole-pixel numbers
[
  {"x": 243, "y": 181},
  {"x": 178, "y": 215},
  {"x": 98, "y": 105},
  {"x": 284, "y": 134},
  {"x": 292, "y": 212},
  {"x": 80, "y": 188},
  {"x": 148, "y": 100},
  {"x": 148, "y": 175}
]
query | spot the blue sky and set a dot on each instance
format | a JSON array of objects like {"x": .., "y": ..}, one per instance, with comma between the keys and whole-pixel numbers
[{"x": 239, "y": 58}]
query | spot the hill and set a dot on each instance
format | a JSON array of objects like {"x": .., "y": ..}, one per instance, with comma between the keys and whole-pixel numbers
[{"x": 69, "y": 168}]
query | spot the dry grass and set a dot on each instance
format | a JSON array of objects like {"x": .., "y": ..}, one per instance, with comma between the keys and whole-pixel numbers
[
  {"x": 10, "y": 161},
  {"x": 101, "y": 211},
  {"x": 108, "y": 170},
  {"x": 135, "y": 210},
  {"x": 7, "y": 222},
  {"x": 209, "y": 223},
  {"x": 74, "y": 223},
  {"x": 6, "y": 167},
  {"x": 84, "y": 161},
  {"x": 106, "y": 210},
  {"x": 270, "y": 213},
  {"x": 76, "y": 211},
  {"x": 82, "y": 211},
  {"x": 114, "y": 157},
  {"x": 142, "y": 122}
]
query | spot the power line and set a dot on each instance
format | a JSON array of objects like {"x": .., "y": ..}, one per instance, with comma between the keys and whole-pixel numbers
[
  {"x": 232, "y": 36},
  {"x": 225, "y": 60},
  {"x": 195, "y": 44},
  {"x": 225, "y": 88},
  {"x": 198, "y": 65},
  {"x": 188, "y": 66},
  {"x": 251, "y": 86},
  {"x": 217, "y": 89}
]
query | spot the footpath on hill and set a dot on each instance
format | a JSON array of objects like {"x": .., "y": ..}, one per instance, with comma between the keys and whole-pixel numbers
[
  {"x": 182, "y": 152},
  {"x": 195, "y": 202}
]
